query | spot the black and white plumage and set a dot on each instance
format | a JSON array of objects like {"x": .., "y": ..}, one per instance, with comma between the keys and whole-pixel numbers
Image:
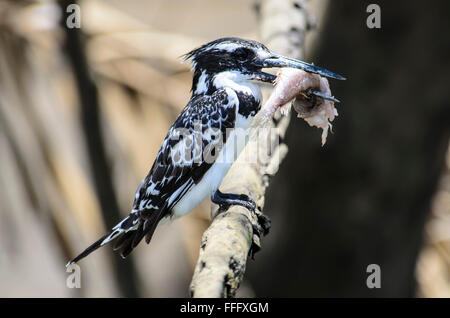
[{"x": 224, "y": 99}]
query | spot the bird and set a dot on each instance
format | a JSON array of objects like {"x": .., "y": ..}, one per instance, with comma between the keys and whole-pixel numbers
[{"x": 225, "y": 97}]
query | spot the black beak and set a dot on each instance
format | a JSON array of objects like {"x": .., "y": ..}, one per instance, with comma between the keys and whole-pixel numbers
[
  {"x": 276, "y": 60},
  {"x": 281, "y": 61}
]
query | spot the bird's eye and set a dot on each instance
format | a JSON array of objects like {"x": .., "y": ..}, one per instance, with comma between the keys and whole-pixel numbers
[{"x": 242, "y": 53}]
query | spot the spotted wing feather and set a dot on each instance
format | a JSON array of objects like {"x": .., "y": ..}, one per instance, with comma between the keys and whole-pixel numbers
[{"x": 178, "y": 166}]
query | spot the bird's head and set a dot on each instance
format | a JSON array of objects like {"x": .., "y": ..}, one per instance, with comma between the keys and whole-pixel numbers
[{"x": 245, "y": 58}]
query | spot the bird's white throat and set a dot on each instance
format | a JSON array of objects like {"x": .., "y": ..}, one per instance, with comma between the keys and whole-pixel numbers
[{"x": 235, "y": 80}]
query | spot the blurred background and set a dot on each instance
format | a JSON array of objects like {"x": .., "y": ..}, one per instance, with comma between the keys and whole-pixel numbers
[{"x": 83, "y": 113}]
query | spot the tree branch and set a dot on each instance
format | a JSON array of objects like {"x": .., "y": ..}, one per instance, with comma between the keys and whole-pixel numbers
[{"x": 235, "y": 233}]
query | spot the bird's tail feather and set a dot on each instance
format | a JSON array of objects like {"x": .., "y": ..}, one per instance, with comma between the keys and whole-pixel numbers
[
  {"x": 127, "y": 242},
  {"x": 129, "y": 233},
  {"x": 89, "y": 250},
  {"x": 126, "y": 229}
]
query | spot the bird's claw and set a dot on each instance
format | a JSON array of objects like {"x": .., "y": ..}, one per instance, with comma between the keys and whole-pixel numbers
[
  {"x": 262, "y": 226},
  {"x": 260, "y": 222},
  {"x": 248, "y": 202},
  {"x": 264, "y": 222}
]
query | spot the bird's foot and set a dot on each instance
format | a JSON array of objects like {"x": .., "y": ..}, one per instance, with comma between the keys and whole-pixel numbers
[
  {"x": 262, "y": 224},
  {"x": 225, "y": 200}
]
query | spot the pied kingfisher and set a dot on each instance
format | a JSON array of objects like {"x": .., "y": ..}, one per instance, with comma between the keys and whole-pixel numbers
[{"x": 224, "y": 98}]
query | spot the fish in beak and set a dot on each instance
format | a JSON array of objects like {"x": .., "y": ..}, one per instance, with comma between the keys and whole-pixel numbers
[{"x": 276, "y": 60}]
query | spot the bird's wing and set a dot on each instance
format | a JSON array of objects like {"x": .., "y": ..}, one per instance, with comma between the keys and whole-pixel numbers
[
  {"x": 190, "y": 148},
  {"x": 181, "y": 162},
  {"x": 179, "y": 165}
]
